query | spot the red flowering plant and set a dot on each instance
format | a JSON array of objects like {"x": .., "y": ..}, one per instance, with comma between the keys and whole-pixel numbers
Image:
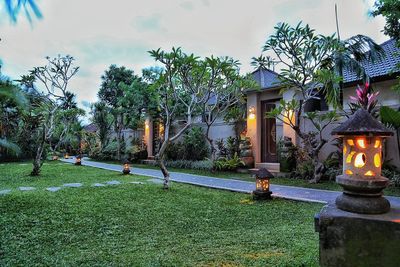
[{"x": 366, "y": 99}]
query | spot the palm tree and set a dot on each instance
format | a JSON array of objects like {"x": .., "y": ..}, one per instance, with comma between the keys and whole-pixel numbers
[
  {"x": 350, "y": 55},
  {"x": 14, "y": 7}
]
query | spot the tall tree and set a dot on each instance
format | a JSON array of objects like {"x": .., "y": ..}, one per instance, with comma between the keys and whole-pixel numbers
[
  {"x": 55, "y": 78},
  {"x": 28, "y": 6},
  {"x": 223, "y": 89},
  {"x": 180, "y": 93},
  {"x": 390, "y": 10},
  {"x": 302, "y": 54},
  {"x": 102, "y": 118},
  {"x": 114, "y": 81}
]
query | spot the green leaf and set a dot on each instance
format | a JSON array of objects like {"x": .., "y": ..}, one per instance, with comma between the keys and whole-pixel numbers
[{"x": 390, "y": 116}]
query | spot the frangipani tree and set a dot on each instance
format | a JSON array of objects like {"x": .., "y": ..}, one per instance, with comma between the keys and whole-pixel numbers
[{"x": 303, "y": 55}]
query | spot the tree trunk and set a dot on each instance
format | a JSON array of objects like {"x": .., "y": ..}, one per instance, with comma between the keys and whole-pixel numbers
[
  {"x": 37, "y": 162},
  {"x": 211, "y": 143},
  {"x": 161, "y": 158}
]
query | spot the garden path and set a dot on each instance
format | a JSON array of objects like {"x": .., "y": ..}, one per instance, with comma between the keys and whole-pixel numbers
[{"x": 279, "y": 191}]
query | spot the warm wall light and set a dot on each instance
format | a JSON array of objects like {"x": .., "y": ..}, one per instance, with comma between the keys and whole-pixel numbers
[
  {"x": 252, "y": 113},
  {"x": 146, "y": 125},
  {"x": 362, "y": 162}
]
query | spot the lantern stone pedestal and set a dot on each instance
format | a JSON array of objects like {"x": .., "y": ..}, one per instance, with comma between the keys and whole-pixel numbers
[{"x": 351, "y": 239}]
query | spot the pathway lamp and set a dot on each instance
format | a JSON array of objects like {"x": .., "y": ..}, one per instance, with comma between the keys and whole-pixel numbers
[
  {"x": 126, "y": 167},
  {"x": 262, "y": 191},
  {"x": 78, "y": 160}
]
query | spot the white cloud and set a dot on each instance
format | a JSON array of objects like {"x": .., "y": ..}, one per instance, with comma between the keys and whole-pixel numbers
[{"x": 101, "y": 33}]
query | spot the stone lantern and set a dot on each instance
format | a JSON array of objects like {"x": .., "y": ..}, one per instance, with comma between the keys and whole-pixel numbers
[
  {"x": 362, "y": 161},
  {"x": 78, "y": 160},
  {"x": 126, "y": 169},
  {"x": 262, "y": 184}
]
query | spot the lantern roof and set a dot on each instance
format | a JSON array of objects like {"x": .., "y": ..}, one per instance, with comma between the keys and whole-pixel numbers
[
  {"x": 263, "y": 173},
  {"x": 362, "y": 123}
]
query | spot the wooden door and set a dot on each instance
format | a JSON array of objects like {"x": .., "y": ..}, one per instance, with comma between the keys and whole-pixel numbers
[{"x": 268, "y": 134}]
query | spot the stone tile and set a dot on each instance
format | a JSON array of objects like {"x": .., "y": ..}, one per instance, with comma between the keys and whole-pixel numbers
[
  {"x": 53, "y": 189},
  {"x": 113, "y": 182},
  {"x": 26, "y": 188},
  {"x": 5, "y": 191},
  {"x": 136, "y": 183},
  {"x": 98, "y": 185},
  {"x": 156, "y": 181},
  {"x": 73, "y": 185}
]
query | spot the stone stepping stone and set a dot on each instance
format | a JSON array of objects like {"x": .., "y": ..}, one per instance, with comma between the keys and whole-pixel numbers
[
  {"x": 156, "y": 181},
  {"x": 53, "y": 189},
  {"x": 26, "y": 188},
  {"x": 136, "y": 183},
  {"x": 73, "y": 185},
  {"x": 5, "y": 191},
  {"x": 98, "y": 185},
  {"x": 113, "y": 182}
]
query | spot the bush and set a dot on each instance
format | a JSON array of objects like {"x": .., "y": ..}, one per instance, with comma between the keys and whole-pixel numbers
[
  {"x": 390, "y": 172},
  {"x": 206, "y": 165},
  {"x": 225, "y": 164},
  {"x": 195, "y": 145}
]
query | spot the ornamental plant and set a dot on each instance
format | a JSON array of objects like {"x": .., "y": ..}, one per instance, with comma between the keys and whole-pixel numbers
[{"x": 365, "y": 98}]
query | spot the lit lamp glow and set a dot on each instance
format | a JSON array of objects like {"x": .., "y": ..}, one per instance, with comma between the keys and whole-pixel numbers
[
  {"x": 78, "y": 160},
  {"x": 252, "y": 113},
  {"x": 66, "y": 156},
  {"x": 262, "y": 184},
  {"x": 126, "y": 169},
  {"x": 362, "y": 162}
]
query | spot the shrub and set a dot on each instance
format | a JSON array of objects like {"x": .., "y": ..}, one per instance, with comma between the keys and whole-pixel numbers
[
  {"x": 206, "y": 165},
  {"x": 195, "y": 145},
  {"x": 222, "y": 150},
  {"x": 392, "y": 174},
  {"x": 225, "y": 164},
  {"x": 174, "y": 151}
]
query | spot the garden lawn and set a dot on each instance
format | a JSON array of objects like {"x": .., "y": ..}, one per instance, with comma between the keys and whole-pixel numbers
[{"x": 143, "y": 225}]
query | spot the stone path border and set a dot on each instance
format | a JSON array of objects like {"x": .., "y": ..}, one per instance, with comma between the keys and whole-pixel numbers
[{"x": 279, "y": 191}]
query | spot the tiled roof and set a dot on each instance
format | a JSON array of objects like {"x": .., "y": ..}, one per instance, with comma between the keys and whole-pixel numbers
[
  {"x": 270, "y": 78},
  {"x": 379, "y": 68},
  {"x": 92, "y": 128}
]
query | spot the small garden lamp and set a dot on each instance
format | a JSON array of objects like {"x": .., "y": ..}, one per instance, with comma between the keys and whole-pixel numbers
[
  {"x": 262, "y": 184},
  {"x": 66, "y": 156},
  {"x": 78, "y": 160},
  {"x": 126, "y": 169},
  {"x": 55, "y": 157},
  {"x": 362, "y": 162}
]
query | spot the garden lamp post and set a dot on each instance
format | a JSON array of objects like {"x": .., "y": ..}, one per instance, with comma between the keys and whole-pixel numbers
[
  {"x": 66, "y": 156},
  {"x": 126, "y": 169},
  {"x": 362, "y": 162},
  {"x": 262, "y": 184},
  {"x": 78, "y": 160}
]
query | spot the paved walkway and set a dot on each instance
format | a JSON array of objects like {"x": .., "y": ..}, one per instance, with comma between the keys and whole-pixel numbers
[{"x": 280, "y": 191}]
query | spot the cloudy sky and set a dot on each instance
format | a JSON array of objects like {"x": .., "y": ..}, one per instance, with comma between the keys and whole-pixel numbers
[{"x": 101, "y": 33}]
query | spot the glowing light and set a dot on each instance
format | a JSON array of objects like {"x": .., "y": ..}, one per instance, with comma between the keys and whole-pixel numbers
[
  {"x": 348, "y": 172},
  {"x": 377, "y": 160},
  {"x": 146, "y": 125},
  {"x": 350, "y": 156},
  {"x": 361, "y": 143},
  {"x": 377, "y": 143},
  {"x": 350, "y": 142},
  {"x": 359, "y": 161},
  {"x": 344, "y": 150},
  {"x": 369, "y": 173},
  {"x": 252, "y": 113}
]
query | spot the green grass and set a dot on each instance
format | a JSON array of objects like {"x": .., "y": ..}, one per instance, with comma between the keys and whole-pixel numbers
[
  {"x": 143, "y": 225},
  {"x": 325, "y": 185}
]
